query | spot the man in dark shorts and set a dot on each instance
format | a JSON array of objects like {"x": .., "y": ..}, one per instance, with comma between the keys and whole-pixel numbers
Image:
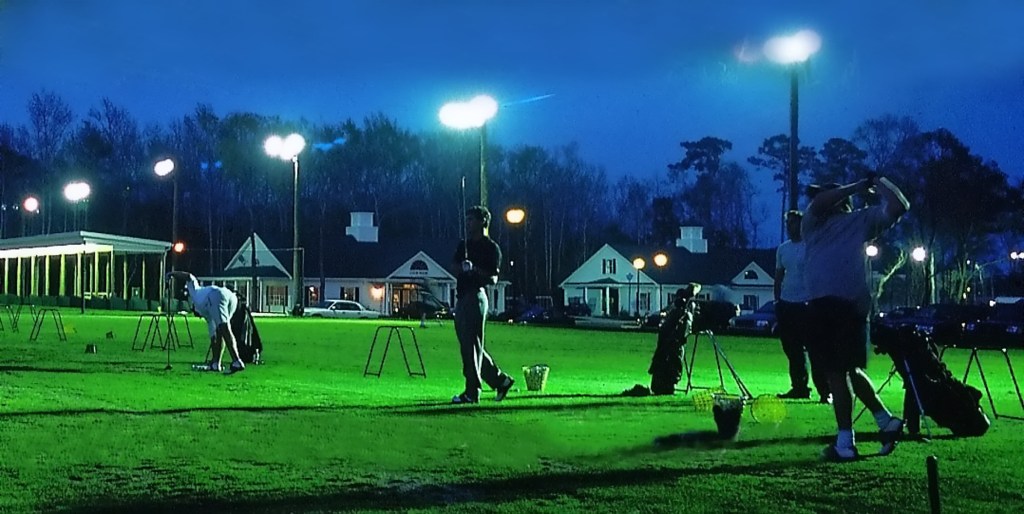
[
  {"x": 475, "y": 264},
  {"x": 791, "y": 312},
  {"x": 837, "y": 282}
]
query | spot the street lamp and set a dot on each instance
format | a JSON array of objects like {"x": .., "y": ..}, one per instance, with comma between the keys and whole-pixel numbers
[
  {"x": 791, "y": 51},
  {"x": 639, "y": 264},
  {"x": 162, "y": 169},
  {"x": 472, "y": 114},
  {"x": 919, "y": 254},
  {"x": 871, "y": 251},
  {"x": 29, "y": 206},
  {"x": 77, "y": 192},
  {"x": 660, "y": 260},
  {"x": 516, "y": 216},
  {"x": 288, "y": 149}
]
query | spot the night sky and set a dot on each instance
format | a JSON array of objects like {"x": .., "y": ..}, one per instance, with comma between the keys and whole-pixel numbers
[{"x": 629, "y": 79}]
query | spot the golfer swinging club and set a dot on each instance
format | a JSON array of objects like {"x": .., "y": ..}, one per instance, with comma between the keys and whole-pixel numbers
[{"x": 215, "y": 304}]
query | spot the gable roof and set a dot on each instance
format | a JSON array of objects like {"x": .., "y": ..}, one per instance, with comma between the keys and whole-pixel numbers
[
  {"x": 264, "y": 257},
  {"x": 717, "y": 266},
  {"x": 381, "y": 259}
]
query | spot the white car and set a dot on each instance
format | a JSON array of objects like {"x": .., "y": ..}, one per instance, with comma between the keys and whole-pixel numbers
[{"x": 340, "y": 309}]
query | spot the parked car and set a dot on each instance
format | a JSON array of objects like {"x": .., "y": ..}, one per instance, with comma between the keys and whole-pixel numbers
[
  {"x": 1003, "y": 329},
  {"x": 340, "y": 309},
  {"x": 892, "y": 317},
  {"x": 417, "y": 309},
  {"x": 944, "y": 322},
  {"x": 761, "y": 322}
]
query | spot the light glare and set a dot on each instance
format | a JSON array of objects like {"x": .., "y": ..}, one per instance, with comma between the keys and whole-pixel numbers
[
  {"x": 77, "y": 191},
  {"x": 31, "y": 204},
  {"x": 919, "y": 254},
  {"x": 792, "y": 49},
  {"x": 515, "y": 216},
  {"x": 163, "y": 168}
]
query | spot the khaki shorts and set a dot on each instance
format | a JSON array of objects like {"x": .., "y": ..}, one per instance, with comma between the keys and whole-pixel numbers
[{"x": 220, "y": 306}]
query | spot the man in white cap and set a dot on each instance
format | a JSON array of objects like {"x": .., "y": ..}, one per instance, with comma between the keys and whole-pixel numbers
[{"x": 216, "y": 305}]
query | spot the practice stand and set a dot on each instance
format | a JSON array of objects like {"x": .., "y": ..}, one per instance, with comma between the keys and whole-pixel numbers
[
  {"x": 37, "y": 323},
  {"x": 974, "y": 357},
  {"x": 10, "y": 317},
  {"x": 719, "y": 357},
  {"x": 152, "y": 331},
  {"x": 395, "y": 330}
]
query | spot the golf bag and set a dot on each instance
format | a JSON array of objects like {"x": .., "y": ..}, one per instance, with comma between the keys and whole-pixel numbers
[
  {"x": 948, "y": 401},
  {"x": 250, "y": 346},
  {"x": 667, "y": 364}
]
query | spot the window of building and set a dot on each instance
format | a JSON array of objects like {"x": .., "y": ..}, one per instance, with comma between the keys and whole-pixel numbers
[
  {"x": 418, "y": 265},
  {"x": 750, "y": 275},
  {"x": 608, "y": 266},
  {"x": 750, "y": 302},
  {"x": 277, "y": 295}
]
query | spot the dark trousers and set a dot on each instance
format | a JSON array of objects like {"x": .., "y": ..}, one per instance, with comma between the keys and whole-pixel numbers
[
  {"x": 477, "y": 365},
  {"x": 794, "y": 329}
]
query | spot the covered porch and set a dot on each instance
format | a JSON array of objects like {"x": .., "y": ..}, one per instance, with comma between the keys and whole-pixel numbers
[{"x": 71, "y": 267}]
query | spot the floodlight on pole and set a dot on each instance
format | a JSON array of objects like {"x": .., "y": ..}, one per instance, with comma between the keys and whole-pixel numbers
[
  {"x": 162, "y": 169},
  {"x": 919, "y": 254},
  {"x": 790, "y": 51},
  {"x": 288, "y": 149},
  {"x": 474, "y": 113},
  {"x": 660, "y": 260},
  {"x": 639, "y": 263},
  {"x": 871, "y": 250},
  {"x": 515, "y": 217},
  {"x": 28, "y": 206}
]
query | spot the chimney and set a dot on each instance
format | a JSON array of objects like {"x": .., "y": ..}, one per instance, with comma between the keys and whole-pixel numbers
[
  {"x": 692, "y": 238},
  {"x": 361, "y": 227}
]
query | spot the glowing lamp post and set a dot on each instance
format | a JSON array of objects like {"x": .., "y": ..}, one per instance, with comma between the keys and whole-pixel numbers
[
  {"x": 919, "y": 254},
  {"x": 29, "y": 206},
  {"x": 660, "y": 260},
  {"x": 162, "y": 169},
  {"x": 468, "y": 115},
  {"x": 639, "y": 263},
  {"x": 791, "y": 51},
  {"x": 76, "y": 193},
  {"x": 288, "y": 149},
  {"x": 516, "y": 217}
]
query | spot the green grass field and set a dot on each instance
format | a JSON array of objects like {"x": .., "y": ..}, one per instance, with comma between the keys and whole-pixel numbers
[{"x": 307, "y": 432}]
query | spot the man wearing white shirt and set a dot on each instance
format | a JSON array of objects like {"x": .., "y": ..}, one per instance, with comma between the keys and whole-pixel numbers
[
  {"x": 216, "y": 305},
  {"x": 791, "y": 311}
]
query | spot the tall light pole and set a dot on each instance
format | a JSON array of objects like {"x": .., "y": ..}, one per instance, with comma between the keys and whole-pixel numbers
[
  {"x": 639, "y": 264},
  {"x": 919, "y": 254},
  {"x": 660, "y": 260},
  {"x": 791, "y": 51},
  {"x": 76, "y": 193},
  {"x": 871, "y": 251},
  {"x": 162, "y": 169},
  {"x": 516, "y": 216},
  {"x": 472, "y": 114},
  {"x": 29, "y": 206},
  {"x": 288, "y": 149}
]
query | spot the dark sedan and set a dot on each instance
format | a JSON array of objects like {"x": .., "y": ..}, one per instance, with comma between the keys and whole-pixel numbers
[
  {"x": 1004, "y": 329},
  {"x": 761, "y": 322},
  {"x": 943, "y": 322}
]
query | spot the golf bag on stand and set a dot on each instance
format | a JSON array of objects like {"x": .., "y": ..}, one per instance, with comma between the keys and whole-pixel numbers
[
  {"x": 666, "y": 368},
  {"x": 929, "y": 385},
  {"x": 250, "y": 346}
]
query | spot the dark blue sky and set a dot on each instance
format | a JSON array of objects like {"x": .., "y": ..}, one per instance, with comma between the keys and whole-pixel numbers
[{"x": 630, "y": 79}]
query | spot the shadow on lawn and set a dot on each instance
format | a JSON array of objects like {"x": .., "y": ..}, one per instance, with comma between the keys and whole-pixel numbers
[
  {"x": 36, "y": 369},
  {"x": 487, "y": 404},
  {"x": 416, "y": 494},
  {"x": 81, "y": 412}
]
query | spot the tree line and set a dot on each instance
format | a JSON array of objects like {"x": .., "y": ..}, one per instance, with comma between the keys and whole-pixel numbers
[{"x": 964, "y": 207}]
